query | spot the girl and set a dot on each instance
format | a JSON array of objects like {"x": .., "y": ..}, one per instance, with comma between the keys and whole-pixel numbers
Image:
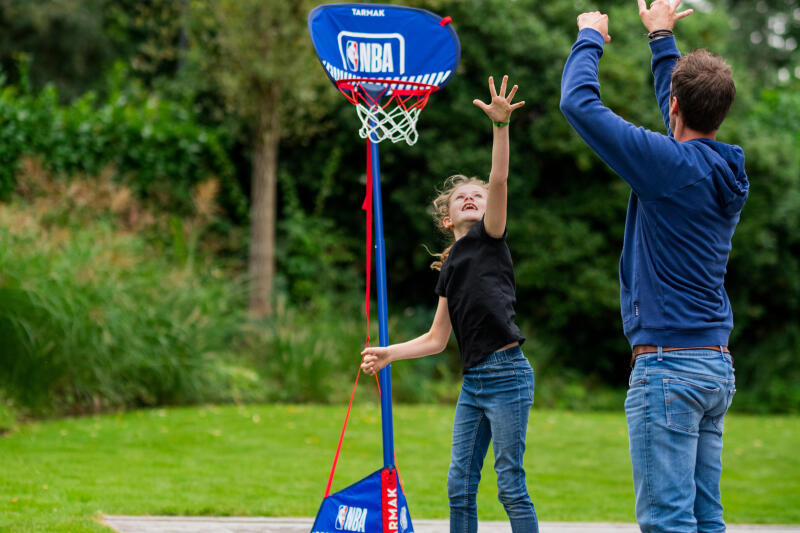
[{"x": 476, "y": 300}]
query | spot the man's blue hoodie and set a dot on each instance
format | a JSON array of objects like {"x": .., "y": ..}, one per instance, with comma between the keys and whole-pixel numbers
[{"x": 685, "y": 203}]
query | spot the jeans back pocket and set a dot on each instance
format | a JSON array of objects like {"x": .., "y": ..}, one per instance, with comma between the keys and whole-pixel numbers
[{"x": 686, "y": 402}]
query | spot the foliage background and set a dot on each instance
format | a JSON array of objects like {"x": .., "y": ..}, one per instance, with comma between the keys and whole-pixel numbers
[{"x": 124, "y": 178}]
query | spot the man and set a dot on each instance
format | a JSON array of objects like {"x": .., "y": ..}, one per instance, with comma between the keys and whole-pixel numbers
[{"x": 688, "y": 190}]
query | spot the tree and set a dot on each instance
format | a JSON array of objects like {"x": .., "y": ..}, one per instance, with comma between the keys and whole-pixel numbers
[
  {"x": 67, "y": 43},
  {"x": 149, "y": 34},
  {"x": 768, "y": 37},
  {"x": 258, "y": 53}
]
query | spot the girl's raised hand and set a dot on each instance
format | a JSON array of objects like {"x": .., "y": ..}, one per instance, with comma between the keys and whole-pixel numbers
[
  {"x": 500, "y": 108},
  {"x": 373, "y": 358}
]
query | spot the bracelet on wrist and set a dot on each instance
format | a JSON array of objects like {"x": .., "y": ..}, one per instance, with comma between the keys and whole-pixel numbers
[
  {"x": 501, "y": 124},
  {"x": 658, "y": 34}
]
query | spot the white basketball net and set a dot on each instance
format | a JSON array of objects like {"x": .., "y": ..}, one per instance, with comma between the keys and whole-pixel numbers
[
  {"x": 394, "y": 119},
  {"x": 397, "y": 124}
]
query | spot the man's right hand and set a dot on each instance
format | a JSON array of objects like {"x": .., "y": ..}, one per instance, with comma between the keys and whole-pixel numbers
[
  {"x": 595, "y": 20},
  {"x": 661, "y": 15}
]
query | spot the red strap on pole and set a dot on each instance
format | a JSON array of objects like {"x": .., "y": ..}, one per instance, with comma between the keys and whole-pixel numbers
[
  {"x": 366, "y": 206},
  {"x": 341, "y": 437},
  {"x": 389, "y": 500}
]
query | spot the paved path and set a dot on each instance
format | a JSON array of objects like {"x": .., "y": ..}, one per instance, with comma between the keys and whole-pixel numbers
[{"x": 183, "y": 524}]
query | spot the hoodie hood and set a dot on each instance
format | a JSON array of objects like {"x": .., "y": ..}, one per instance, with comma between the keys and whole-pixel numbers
[{"x": 731, "y": 180}]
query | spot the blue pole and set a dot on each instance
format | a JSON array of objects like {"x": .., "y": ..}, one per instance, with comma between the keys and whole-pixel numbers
[{"x": 383, "y": 312}]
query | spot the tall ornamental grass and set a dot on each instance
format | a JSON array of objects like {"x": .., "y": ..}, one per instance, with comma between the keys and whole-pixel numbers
[
  {"x": 92, "y": 318},
  {"x": 105, "y": 303}
]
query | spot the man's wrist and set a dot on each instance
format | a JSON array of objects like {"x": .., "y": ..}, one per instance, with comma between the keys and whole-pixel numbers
[
  {"x": 592, "y": 34},
  {"x": 590, "y": 28},
  {"x": 659, "y": 33}
]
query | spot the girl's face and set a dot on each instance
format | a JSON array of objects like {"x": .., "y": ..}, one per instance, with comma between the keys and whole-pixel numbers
[{"x": 467, "y": 206}]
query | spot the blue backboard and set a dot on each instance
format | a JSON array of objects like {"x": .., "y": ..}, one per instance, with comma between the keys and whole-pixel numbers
[{"x": 385, "y": 42}]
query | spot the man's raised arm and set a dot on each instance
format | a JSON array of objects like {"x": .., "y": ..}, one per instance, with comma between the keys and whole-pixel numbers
[
  {"x": 660, "y": 20},
  {"x": 619, "y": 143}
]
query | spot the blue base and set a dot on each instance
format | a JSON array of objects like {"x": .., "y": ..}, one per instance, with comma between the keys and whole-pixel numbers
[{"x": 358, "y": 509}]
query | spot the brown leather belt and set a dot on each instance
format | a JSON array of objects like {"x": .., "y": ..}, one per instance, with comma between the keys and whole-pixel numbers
[{"x": 641, "y": 349}]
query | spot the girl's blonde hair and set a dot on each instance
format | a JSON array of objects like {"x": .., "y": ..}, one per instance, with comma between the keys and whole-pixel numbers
[{"x": 441, "y": 209}]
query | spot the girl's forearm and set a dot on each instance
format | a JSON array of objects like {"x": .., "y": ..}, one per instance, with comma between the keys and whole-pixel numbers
[
  {"x": 500, "y": 154},
  {"x": 420, "y": 347}
]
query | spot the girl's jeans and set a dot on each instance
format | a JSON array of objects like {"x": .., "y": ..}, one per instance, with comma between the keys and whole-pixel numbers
[
  {"x": 675, "y": 407},
  {"x": 494, "y": 403}
]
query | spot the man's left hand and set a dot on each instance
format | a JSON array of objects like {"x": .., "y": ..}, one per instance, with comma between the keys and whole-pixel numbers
[{"x": 597, "y": 21}]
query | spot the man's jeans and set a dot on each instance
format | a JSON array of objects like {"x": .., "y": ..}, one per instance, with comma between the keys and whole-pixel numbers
[
  {"x": 494, "y": 403},
  {"x": 675, "y": 407}
]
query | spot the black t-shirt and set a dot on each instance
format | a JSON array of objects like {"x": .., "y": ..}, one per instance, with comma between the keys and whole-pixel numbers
[{"x": 478, "y": 281}]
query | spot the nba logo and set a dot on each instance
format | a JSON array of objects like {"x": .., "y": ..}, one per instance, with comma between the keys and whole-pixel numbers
[
  {"x": 340, "y": 516},
  {"x": 374, "y": 53},
  {"x": 352, "y": 55}
]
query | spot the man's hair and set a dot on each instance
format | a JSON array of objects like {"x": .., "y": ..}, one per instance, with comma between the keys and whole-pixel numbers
[{"x": 703, "y": 84}]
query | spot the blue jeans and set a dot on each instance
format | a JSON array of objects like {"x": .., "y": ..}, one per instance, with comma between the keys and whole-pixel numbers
[
  {"x": 494, "y": 404},
  {"x": 675, "y": 408}
]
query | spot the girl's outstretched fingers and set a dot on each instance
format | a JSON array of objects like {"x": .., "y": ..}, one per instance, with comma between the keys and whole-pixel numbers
[
  {"x": 480, "y": 104},
  {"x": 511, "y": 97}
]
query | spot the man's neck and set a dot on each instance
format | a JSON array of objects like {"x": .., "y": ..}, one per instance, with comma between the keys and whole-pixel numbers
[{"x": 683, "y": 134}]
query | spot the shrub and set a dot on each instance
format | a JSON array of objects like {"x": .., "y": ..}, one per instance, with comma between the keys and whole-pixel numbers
[{"x": 158, "y": 146}]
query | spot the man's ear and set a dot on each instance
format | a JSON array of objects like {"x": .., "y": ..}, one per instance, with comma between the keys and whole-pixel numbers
[{"x": 674, "y": 108}]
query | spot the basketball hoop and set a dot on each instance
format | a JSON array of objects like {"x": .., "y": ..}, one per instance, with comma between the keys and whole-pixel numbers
[
  {"x": 388, "y": 109},
  {"x": 386, "y": 60}
]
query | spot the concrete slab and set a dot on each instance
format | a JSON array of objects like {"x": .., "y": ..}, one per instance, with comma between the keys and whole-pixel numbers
[{"x": 190, "y": 524}]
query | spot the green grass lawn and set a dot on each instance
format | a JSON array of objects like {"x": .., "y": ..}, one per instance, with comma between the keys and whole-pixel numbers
[{"x": 274, "y": 461}]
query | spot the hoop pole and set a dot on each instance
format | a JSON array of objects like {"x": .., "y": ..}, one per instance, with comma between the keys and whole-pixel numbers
[{"x": 383, "y": 311}]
